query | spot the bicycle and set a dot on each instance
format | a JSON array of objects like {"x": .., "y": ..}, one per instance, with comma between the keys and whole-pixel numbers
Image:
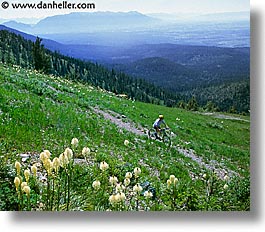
[{"x": 164, "y": 135}]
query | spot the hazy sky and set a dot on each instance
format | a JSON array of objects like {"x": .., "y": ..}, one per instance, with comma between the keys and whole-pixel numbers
[{"x": 143, "y": 6}]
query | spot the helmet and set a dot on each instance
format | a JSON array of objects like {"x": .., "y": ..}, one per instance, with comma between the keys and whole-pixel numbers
[{"x": 161, "y": 116}]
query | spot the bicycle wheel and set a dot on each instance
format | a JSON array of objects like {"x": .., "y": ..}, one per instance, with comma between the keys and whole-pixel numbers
[
  {"x": 167, "y": 140},
  {"x": 152, "y": 133}
]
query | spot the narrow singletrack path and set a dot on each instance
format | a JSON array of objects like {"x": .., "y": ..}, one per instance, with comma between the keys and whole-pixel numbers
[{"x": 212, "y": 165}]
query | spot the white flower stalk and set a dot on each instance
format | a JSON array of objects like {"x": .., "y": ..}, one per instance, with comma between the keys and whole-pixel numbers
[
  {"x": 176, "y": 181},
  {"x": 26, "y": 189},
  {"x": 18, "y": 167},
  {"x": 48, "y": 154},
  {"x": 17, "y": 182},
  {"x": 128, "y": 175},
  {"x": 27, "y": 174},
  {"x": 96, "y": 185},
  {"x": 103, "y": 166},
  {"x": 34, "y": 170},
  {"x": 43, "y": 157},
  {"x": 137, "y": 188},
  {"x": 225, "y": 186},
  {"x": 126, "y": 181},
  {"x": 56, "y": 164},
  {"x": 172, "y": 181},
  {"x": 172, "y": 178},
  {"x": 86, "y": 151},
  {"x": 137, "y": 171},
  {"x": 120, "y": 197},
  {"x": 112, "y": 199},
  {"x": 169, "y": 183},
  {"x": 119, "y": 188},
  {"x": 113, "y": 180},
  {"x": 226, "y": 177},
  {"x": 69, "y": 153},
  {"x": 48, "y": 165},
  {"x": 63, "y": 160},
  {"x": 126, "y": 142},
  {"x": 148, "y": 194},
  {"x": 74, "y": 142},
  {"x": 23, "y": 184}
]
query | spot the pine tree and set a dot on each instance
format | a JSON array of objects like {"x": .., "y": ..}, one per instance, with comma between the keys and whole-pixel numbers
[{"x": 41, "y": 60}]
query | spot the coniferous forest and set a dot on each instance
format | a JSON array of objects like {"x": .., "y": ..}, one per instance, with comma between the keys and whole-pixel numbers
[{"x": 228, "y": 96}]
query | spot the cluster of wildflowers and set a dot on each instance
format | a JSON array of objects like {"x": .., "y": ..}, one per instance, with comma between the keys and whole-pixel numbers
[
  {"x": 172, "y": 181},
  {"x": 117, "y": 198},
  {"x": 22, "y": 183}
]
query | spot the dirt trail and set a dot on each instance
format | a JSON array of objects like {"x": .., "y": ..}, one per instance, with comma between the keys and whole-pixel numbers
[
  {"x": 117, "y": 120},
  {"x": 213, "y": 165}
]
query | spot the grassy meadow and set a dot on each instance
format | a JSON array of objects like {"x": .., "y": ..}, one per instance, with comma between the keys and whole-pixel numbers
[{"x": 108, "y": 168}]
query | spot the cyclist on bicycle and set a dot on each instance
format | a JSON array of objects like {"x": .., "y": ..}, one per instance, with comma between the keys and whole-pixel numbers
[{"x": 157, "y": 124}]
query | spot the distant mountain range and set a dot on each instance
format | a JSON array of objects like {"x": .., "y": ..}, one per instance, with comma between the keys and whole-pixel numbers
[{"x": 86, "y": 22}]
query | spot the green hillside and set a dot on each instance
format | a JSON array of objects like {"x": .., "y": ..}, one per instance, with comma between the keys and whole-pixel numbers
[{"x": 209, "y": 156}]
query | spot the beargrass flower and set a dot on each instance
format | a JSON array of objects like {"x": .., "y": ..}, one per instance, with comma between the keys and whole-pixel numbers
[
  {"x": 85, "y": 151},
  {"x": 34, "y": 170},
  {"x": 26, "y": 189},
  {"x": 169, "y": 183},
  {"x": 69, "y": 153},
  {"x": 63, "y": 160},
  {"x": 103, "y": 166},
  {"x": 112, "y": 199},
  {"x": 23, "y": 184},
  {"x": 176, "y": 181},
  {"x": 42, "y": 156},
  {"x": 225, "y": 186},
  {"x": 126, "y": 181},
  {"x": 48, "y": 165},
  {"x": 226, "y": 177},
  {"x": 126, "y": 142},
  {"x": 56, "y": 164},
  {"x": 137, "y": 188},
  {"x": 137, "y": 172},
  {"x": 27, "y": 174},
  {"x": 128, "y": 175},
  {"x": 119, "y": 187},
  {"x": 96, "y": 184},
  {"x": 172, "y": 178},
  {"x": 74, "y": 142},
  {"x": 18, "y": 167},
  {"x": 148, "y": 194},
  {"x": 113, "y": 180},
  {"x": 122, "y": 196},
  {"x": 47, "y": 152},
  {"x": 17, "y": 182}
]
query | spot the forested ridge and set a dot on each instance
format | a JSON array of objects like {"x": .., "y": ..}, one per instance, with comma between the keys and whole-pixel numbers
[
  {"x": 15, "y": 50},
  {"x": 232, "y": 96}
]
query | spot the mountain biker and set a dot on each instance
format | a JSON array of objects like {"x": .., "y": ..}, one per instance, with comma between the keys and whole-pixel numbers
[{"x": 160, "y": 120}]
